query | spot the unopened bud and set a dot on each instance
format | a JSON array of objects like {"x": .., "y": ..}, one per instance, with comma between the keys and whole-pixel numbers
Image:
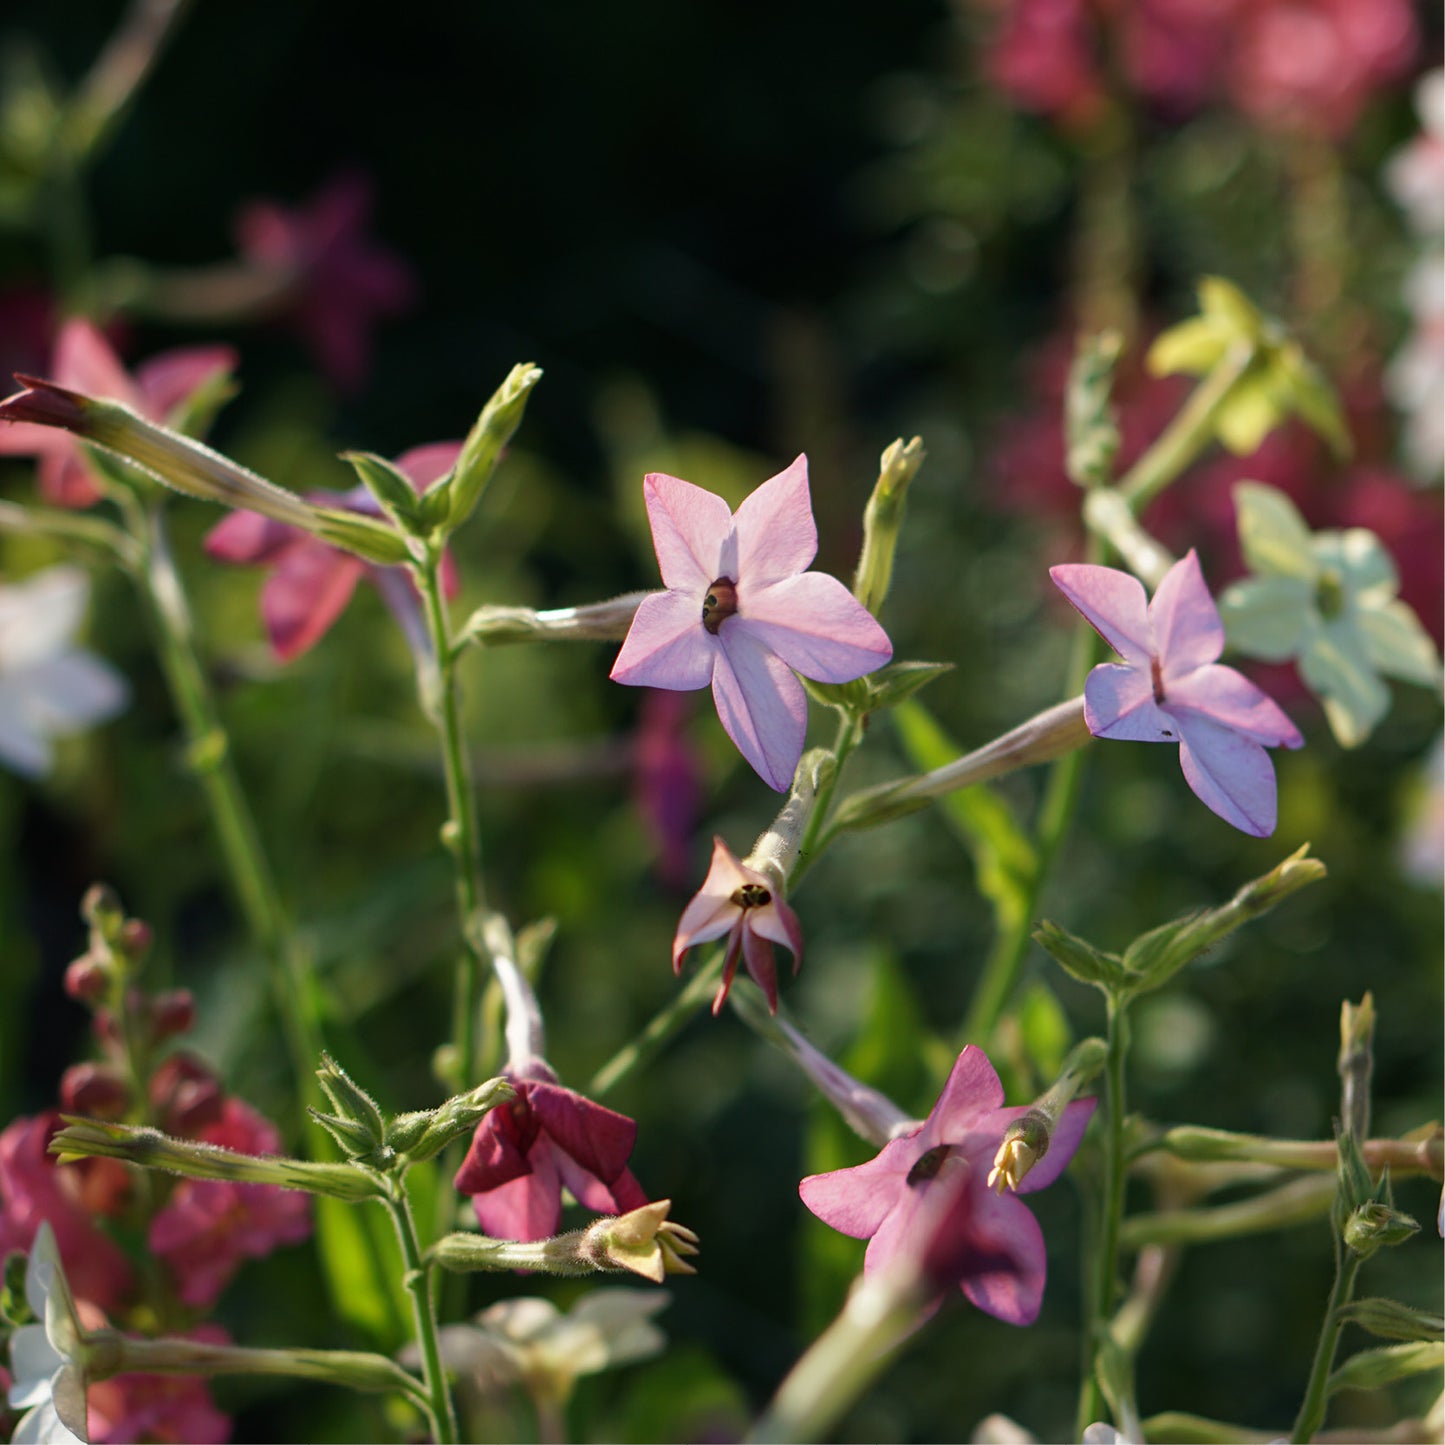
[
  {"x": 186, "y": 1095},
  {"x": 171, "y": 1012},
  {"x": 350, "y": 1100},
  {"x": 424, "y": 1134},
  {"x": 136, "y": 939},
  {"x": 87, "y": 980},
  {"x": 96, "y": 1090},
  {"x": 1376, "y": 1226}
]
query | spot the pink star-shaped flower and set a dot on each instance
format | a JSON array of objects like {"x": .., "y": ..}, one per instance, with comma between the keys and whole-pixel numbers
[
  {"x": 741, "y": 613},
  {"x": 744, "y": 904},
  {"x": 84, "y": 361},
  {"x": 524, "y": 1151},
  {"x": 987, "y": 1243},
  {"x": 1170, "y": 688},
  {"x": 311, "y": 582}
]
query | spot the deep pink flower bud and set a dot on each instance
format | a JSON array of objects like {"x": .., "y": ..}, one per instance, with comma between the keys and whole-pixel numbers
[
  {"x": 95, "y": 1090},
  {"x": 186, "y": 1096},
  {"x": 171, "y": 1012},
  {"x": 136, "y": 938},
  {"x": 87, "y": 980}
]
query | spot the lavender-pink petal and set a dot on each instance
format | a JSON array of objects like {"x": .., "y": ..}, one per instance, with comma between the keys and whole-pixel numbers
[
  {"x": 761, "y": 704},
  {"x": 1230, "y": 773},
  {"x": 972, "y": 1093},
  {"x": 1187, "y": 630},
  {"x": 1113, "y": 603},
  {"x": 776, "y": 534},
  {"x": 689, "y": 526},
  {"x": 815, "y": 625},
  {"x": 856, "y": 1201},
  {"x": 1119, "y": 704},
  {"x": 667, "y": 645},
  {"x": 305, "y": 594},
  {"x": 779, "y": 924},
  {"x": 1230, "y": 698},
  {"x": 1003, "y": 1261},
  {"x": 167, "y": 380}
]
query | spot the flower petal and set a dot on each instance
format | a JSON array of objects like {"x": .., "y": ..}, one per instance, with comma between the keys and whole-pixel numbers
[
  {"x": 778, "y": 923},
  {"x": 1269, "y": 617},
  {"x": 1230, "y": 774},
  {"x": 815, "y": 624},
  {"x": 758, "y": 955},
  {"x": 173, "y": 377},
  {"x": 973, "y": 1090},
  {"x": 761, "y": 704},
  {"x": 65, "y": 694},
  {"x": 856, "y": 1201},
  {"x": 249, "y": 539},
  {"x": 1273, "y": 537},
  {"x": 306, "y": 593},
  {"x": 1336, "y": 668},
  {"x": 1397, "y": 644},
  {"x": 1187, "y": 629},
  {"x": 428, "y": 463},
  {"x": 1113, "y": 603},
  {"x": 1003, "y": 1264},
  {"x": 85, "y": 361},
  {"x": 1067, "y": 1136},
  {"x": 526, "y": 1208},
  {"x": 689, "y": 528},
  {"x": 23, "y": 747},
  {"x": 40, "y": 616},
  {"x": 776, "y": 534},
  {"x": 1119, "y": 704},
  {"x": 598, "y": 1138},
  {"x": 1230, "y": 698},
  {"x": 667, "y": 646}
]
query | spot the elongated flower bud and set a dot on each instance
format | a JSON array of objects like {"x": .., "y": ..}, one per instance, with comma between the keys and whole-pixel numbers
[{"x": 592, "y": 622}]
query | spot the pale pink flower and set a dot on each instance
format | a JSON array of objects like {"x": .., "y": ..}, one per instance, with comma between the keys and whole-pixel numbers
[
  {"x": 926, "y": 1197},
  {"x": 744, "y": 904},
  {"x": 525, "y": 1150},
  {"x": 84, "y": 361},
  {"x": 210, "y": 1225},
  {"x": 340, "y": 280},
  {"x": 311, "y": 582},
  {"x": 1170, "y": 688},
  {"x": 740, "y": 612}
]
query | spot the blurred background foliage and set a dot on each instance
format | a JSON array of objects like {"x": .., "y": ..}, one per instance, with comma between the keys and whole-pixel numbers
[{"x": 730, "y": 233}]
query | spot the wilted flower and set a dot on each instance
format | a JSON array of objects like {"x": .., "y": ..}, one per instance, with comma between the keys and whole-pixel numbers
[
  {"x": 49, "y": 688},
  {"x": 1328, "y": 601},
  {"x": 525, "y": 1150},
  {"x": 988, "y": 1244},
  {"x": 49, "y": 1358},
  {"x": 748, "y": 906},
  {"x": 1171, "y": 689},
  {"x": 84, "y": 361},
  {"x": 209, "y": 1226},
  {"x": 311, "y": 582},
  {"x": 740, "y": 612}
]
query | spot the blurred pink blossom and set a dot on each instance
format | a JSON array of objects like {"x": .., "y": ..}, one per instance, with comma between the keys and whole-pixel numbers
[
  {"x": 84, "y": 361},
  {"x": 70, "y": 1197},
  {"x": 524, "y": 1151},
  {"x": 311, "y": 582},
  {"x": 667, "y": 780},
  {"x": 340, "y": 280},
  {"x": 988, "y": 1244},
  {"x": 210, "y": 1225}
]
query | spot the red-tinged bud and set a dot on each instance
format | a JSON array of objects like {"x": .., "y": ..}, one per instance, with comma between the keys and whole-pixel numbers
[
  {"x": 87, "y": 980},
  {"x": 106, "y": 1028},
  {"x": 171, "y": 1012},
  {"x": 186, "y": 1096},
  {"x": 136, "y": 938},
  {"x": 42, "y": 403},
  {"x": 95, "y": 1090}
]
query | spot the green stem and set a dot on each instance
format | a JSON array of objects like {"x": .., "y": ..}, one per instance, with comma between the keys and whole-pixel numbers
[
  {"x": 1312, "y": 1410},
  {"x": 1106, "y": 1262},
  {"x": 850, "y": 734},
  {"x": 210, "y": 758},
  {"x": 439, "y": 1407}
]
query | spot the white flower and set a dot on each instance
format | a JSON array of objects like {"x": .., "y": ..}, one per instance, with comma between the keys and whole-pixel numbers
[
  {"x": 48, "y": 687},
  {"x": 1327, "y": 600},
  {"x": 48, "y": 1360}
]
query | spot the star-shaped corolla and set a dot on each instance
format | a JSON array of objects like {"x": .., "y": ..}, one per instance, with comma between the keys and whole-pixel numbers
[
  {"x": 48, "y": 686},
  {"x": 987, "y": 1243},
  {"x": 746, "y": 905},
  {"x": 1170, "y": 688},
  {"x": 1328, "y": 601},
  {"x": 740, "y": 612},
  {"x": 48, "y": 1359}
]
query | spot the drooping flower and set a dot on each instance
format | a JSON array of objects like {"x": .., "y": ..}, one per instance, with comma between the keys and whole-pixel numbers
[
  {"x": 745, "y": 904},
  {"x": 524, "y": 1151},
  {"x": 987, "y": 1243},
  {"x": 740, "y": 612},
  {"x": 1170, "y": 688},
  {"x": 338, "y": 281},
  {"x": 84, "y": 361},
  {"x": 48, "y": 1359},
  {"x": 209, "y": 1226},
  {"x": 1326, "y": 600},
  {"x": 49, "y": 688},
  {"x": 311, "y": 582}
]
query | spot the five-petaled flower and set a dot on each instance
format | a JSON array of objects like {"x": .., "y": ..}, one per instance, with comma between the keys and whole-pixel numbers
[
  {"x": 988, "y": 1244},
  {"x": 525, "y": 1150},
  {"x": 159, "y": 391},
  {"x": 745, "y": 904},
  {"x": 1170, "y": 688},
  {"x": 311, "y": 581},
  {"x": 740, "y": 612},
  {"x": 1328, "y": 600}
]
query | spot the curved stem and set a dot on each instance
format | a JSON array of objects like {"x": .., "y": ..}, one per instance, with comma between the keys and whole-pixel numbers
[
  {"x": 850, "y": 734},
  {"x": 1312, "y": 1409}
]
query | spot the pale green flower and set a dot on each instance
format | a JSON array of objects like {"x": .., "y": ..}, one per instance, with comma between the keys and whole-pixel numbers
[{"x": 1327, "y": 601}]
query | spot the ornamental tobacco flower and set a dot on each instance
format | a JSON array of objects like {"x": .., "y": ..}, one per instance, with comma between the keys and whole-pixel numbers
[
  {"x": 747, "y": 905},
  {"x": 987, "y": 1243},
  {"x": 524, "y": 1151},
  {"x": 49, "y": 1359},
  {"x": 1171, "y": 689},
  {"x": 741, "y": 613}
]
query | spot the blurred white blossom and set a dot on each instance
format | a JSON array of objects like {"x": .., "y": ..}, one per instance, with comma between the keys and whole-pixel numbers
[{"x": 48, "y": 1359}]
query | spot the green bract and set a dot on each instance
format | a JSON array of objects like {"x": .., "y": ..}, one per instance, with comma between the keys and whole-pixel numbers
[{"x": 1325, "y": 600}]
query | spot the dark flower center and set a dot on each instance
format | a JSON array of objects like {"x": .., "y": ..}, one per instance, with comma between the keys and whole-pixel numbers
[
  {"x": 719, "y": 604},
  {"x": 926, "y": 1166},
  {"x": 1330, "y": 595},
  {"x": 1156, "y": 673},
  {"x": 752, "y": 895}
]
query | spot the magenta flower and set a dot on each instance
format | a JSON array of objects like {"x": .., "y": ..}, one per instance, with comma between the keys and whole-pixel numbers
[
  {"x": 742, "y": 614},
  {"x": 209, "y": 1226},
  {"x": 987, "y": 1243},
  {"x": 744, "y": 904},
  {"x": 340, "y": 281},
  {"x": 311, "y": 582},
  {"x": 84, "y": 361},
  {"x": 667, "y": 781},
  {"x": 524, "y": 1151},
  {"x": 1171, "y": 689}
]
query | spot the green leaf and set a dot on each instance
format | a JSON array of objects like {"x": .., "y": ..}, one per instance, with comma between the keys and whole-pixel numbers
[
  {"x": 390, "y": 486},
  {"x": 1080, "y": 959},
  {"x": 1391, "y": 1320},
  {"x": 1373, "y": 1369},
  {"x": 852, "y": 697},
  {"x": 897, "y": 682}
]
